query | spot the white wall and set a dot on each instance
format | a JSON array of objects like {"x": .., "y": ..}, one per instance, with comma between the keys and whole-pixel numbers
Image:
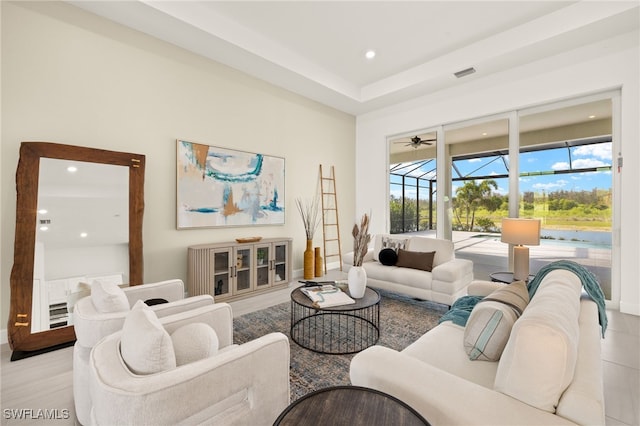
[
  {"x": 609, "y": 64},
  {"x": 71, "y": 77}
]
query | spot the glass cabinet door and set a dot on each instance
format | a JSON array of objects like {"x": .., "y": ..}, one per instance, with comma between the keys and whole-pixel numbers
[
  {"x": 280, "y": 267},
  {"x": 221, "y": 272},
  {"x": 243, "y": 270},
  {"x": 263, "y": 259}
]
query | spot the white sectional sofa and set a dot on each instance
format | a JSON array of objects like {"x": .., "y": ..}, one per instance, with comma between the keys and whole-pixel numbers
[
  {"x": 549, "y": 372},
  {"x": 447, "y": 281}
]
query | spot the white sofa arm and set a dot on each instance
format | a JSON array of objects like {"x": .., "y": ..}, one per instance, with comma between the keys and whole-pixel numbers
[
  {"x": 483, "y": 288},
  {"x": 248, "y": 384},
  {"x": 170, "y": 290},
  {"x": 442, "y": 398},
  {"x": 453, "y": 270}
]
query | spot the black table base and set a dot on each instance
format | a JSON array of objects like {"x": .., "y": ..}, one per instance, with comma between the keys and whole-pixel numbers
[{"x": 338, "y": 330}]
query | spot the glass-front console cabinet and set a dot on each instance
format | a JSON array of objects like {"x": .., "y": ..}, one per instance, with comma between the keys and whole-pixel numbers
[{"x": 234, "y": 270}]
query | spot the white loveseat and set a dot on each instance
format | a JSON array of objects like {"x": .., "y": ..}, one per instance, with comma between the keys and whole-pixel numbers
[
  {"x": 447, "y": 281},
  {"x": 550, "y": 371}
]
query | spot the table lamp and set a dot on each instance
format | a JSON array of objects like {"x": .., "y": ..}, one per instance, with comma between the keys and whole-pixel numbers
[{"x": 520, "y": 232}]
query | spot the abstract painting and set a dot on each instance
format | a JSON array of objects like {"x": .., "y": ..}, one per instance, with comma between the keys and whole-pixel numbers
[{"x": 225, "y": 187}]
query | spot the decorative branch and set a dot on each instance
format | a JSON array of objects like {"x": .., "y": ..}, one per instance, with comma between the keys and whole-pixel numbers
[
  {"x": 361, "y": 239},
  {"x": 309, "y": 214}
]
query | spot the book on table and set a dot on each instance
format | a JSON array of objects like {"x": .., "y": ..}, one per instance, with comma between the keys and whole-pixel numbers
[{"x": 327, "y": 296}]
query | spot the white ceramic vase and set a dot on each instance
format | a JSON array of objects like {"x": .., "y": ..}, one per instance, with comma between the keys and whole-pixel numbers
[{"x": 357, "y": 279}]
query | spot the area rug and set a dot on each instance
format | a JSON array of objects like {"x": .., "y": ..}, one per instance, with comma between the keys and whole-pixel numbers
[{"x": 402, "y": 321}]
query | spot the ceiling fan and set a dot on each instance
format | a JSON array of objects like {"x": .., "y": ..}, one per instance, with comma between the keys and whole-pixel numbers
[{"x": 415, "y": 142}]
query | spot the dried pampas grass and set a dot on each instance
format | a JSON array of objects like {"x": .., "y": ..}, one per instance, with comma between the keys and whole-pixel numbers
[{"x": 361, "y": 239}]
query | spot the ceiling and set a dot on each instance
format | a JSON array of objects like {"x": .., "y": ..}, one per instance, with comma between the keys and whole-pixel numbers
[
  {"x": 317, "y": 48},
  {"x": 545, "y": 120}
]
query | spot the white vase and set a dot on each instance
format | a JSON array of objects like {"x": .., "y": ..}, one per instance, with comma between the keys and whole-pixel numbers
[{"x": 357, "y": 279}]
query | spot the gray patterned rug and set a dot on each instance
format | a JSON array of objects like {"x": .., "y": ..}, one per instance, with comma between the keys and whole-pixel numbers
[{"x": 402, "y": 321}]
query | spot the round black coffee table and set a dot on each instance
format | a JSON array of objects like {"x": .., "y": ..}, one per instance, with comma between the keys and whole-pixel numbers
[
  {"x": 336, "y": 330},
  {"x": 349, "y": 406}
]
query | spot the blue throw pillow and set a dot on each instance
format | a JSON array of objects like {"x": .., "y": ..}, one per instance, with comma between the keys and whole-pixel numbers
[{"x": 388, "y": 257}]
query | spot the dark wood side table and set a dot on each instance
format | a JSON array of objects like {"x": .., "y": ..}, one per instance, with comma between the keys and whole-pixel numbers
[
  {"x": 337, "y": 330},
  {"x": 349, "y": 406},
  {"x": 505, "y": 277}
]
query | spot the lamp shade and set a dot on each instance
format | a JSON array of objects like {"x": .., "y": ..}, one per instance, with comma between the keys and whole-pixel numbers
[{"x": 521, "y": 231}]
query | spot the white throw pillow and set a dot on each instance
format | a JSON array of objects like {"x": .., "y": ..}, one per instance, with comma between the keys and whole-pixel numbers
[
  {"x": 193, "y": 342},
  {"x": 82, "y": 290},
  {"x": 145, "y": 345},
  {"x": 108, "y": 297}
]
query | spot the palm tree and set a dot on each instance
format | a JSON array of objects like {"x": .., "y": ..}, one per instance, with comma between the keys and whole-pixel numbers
[{"x": 472, "y": 195}]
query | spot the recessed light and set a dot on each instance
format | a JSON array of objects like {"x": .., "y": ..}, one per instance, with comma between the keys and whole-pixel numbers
[
  {"x": 72, "y": 169},
  {"x": 484, "y": 133},
  {"x": 44, "y": 228},
  {"x": 83, "y": 235},
  {"x": 370, "y": 54},
  {"x": 592, "y": 116},
  {"x": 43, "y": 211}
]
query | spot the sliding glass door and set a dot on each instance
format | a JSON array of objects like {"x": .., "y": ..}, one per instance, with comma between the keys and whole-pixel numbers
[{"x": 552, "y": 162}]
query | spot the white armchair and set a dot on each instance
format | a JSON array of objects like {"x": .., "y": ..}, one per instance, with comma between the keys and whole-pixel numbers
[
  {"x": 244, "y": 384},
  {"x": 91, "y": 325}
]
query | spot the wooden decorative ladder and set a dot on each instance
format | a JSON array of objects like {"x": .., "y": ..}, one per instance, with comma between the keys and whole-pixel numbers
[{"x": 330, "y": 223}]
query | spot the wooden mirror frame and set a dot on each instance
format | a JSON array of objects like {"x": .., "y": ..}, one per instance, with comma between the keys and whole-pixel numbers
[{"x": 20, "y": 316}]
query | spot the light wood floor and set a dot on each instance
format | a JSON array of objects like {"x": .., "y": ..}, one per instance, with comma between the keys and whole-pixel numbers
[{"x": 45, "y": 381}]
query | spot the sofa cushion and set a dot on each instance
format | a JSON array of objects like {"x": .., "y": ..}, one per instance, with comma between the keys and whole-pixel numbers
[
  {"x": 442, "y": 348},
  {"x": 443, "y": 248},
  {"x": 107, "y": 297},
  {"x": 193, "y": 342},
  {"x": 388, "y": 256},
  {"x": 415, "y": 259},
  {"x": 490, "y": 323},
  {"x": 145, "y": 345},
  {"x": 539, "y": 360}
]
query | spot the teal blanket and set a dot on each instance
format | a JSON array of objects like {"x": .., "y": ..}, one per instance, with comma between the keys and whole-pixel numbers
[{"x": 461, "y": 308}]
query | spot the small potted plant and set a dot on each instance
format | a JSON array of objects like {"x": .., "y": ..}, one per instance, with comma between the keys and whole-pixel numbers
[{"x": 260, "y": 256}]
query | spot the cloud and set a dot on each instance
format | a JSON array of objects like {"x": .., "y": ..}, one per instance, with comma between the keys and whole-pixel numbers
[
  {"x": 583, "y": 163},
  {"x": 600, "y": 150},
  {"x": 551, "y": 185},
  {"x": 561, "y": 165},
  {"x": 474, "y": 160}
]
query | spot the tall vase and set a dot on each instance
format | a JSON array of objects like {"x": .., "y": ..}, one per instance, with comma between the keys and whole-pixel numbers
[
  {"x": 357, "y": 279},
  {"x": 318, "y": 260},
  {"x": 308, "y": 261}
]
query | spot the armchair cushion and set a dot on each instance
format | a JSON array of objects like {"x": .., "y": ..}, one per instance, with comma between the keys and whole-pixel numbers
[
  {"x": 193, "y": 342},
  {"x": 107, "y": 297},
  {"x": 145, "y": 345}
]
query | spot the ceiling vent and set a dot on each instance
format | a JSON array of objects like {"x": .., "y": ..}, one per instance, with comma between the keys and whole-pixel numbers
[
  {"x": 464, "y": 72},
  {"x": 45, "y": 221}
]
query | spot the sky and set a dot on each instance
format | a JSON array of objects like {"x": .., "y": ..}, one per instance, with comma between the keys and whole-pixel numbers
[{"x": 596, "y": 155}]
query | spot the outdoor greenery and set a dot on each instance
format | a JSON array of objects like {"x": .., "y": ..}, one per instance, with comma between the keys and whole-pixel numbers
[{"x": 476, "y": 207}]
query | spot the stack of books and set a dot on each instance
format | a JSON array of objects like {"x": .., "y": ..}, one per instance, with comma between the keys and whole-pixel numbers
[{"x": 326, "y": 296}]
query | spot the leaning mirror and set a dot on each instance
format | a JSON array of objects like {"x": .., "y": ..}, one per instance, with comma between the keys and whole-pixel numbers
[{"x": 78, "y": 218}]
